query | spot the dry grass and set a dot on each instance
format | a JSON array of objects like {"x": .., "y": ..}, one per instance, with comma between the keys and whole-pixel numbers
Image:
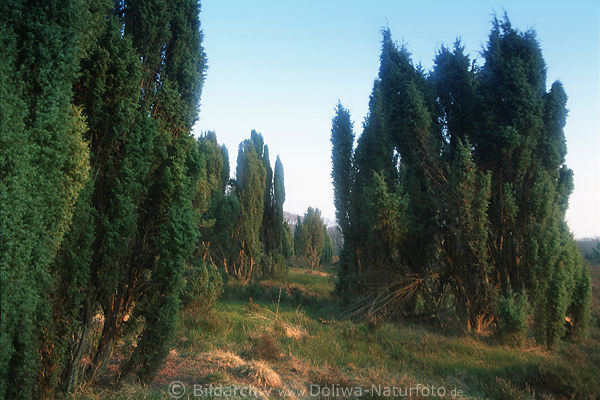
[
  {"x": 224, "y": 359},
  {"x": 298, "y": 367},
  {"x": 316, "y": 272},
  {"x": 294, "y": 332},
  {"x": 289, "y": 330},
  {"x": 282, "y": 325},
  {"x": 127, "y": 390},
  {"x": 259, "y": 373},
  {"x": 331, "y": 375},
  {"x": 340, "y": 353},
  {"x": 266, "y": 348}
]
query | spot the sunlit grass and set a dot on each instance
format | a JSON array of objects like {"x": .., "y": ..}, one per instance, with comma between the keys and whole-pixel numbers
[{"x": 309, "y": 341}]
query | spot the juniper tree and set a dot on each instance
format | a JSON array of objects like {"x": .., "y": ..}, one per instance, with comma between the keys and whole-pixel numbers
[
  {"x": 310, "y": 237},
  {"x": 342, "y": 141},
  {"x": 266, "y": 229},
  {"x": 139, "y": 89},
  {"x": 71, "y": 300},
  {"x": 337, "y": 240},
  {"x": 455, "y": 86},
  {"x": 287, "y": 241},
  {"x": 250, "y": 190},
  {"x": 429, "y": 218},
  {"x": 202, "y": 282},
  {"x": 464, "y": 202},
  {"x": 327, "y": 252},
  {"x": 278, "y": 200},
  {"x": 388, "y": 230},
  {"x": 468, "y": 271},
  {"x": 218, "y": 225},
  {"x": 374, "y": 154},
  {"x": 219, "y": 210},
  {"x": 299, "y": 239},
  {"x": 409, "y": 119},
  {"x": 270, "y": 227},
  {"x": 173, "y": 65},
  {"x": 44, "y": 164},
  {"x": 521, "y": 141},
  {"x": 399, "y": 149},
  {"x": 215, "y": 162},
  {"x": 120, "y": 163}
]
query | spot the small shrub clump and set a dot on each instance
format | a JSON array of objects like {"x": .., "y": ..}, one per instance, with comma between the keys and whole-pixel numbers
[
  {"x": 202, "y": 286},
  {"x": 513, "y": 312}
]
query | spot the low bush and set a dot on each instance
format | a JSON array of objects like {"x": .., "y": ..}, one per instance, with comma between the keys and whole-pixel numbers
[
  {"x": 512, "y": 314},
  {"x": 202, "y": 285}
]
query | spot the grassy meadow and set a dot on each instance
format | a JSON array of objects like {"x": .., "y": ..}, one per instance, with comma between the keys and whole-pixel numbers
[{"x": 288, "y": 338}]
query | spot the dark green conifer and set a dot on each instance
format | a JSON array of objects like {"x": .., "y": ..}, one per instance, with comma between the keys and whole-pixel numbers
[
  {"x": 44, "y": 164},
  {"x": 250, "y": 190}
]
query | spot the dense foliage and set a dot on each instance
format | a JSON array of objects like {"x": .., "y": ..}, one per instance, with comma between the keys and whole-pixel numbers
[
  {"x": 312, "y": 243},
  {"x": 453, "y": 201},
  {"x": 251, "y": 230},
  {"x": 113, "y": 217},
  {"x": 112, "y": 213},
  {"x": 44, "y": 165}
]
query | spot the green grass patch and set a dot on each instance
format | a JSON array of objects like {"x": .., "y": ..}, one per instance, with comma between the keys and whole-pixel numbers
[{"x": 295, "y": 326}]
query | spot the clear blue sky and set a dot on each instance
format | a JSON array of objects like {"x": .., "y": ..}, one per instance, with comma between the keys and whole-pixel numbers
[{"x": 280, "y": 67}]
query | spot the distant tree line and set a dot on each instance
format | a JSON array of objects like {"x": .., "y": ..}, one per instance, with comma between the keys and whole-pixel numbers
[
  {"x": 452, "y": 204},
  {"x": 244, "y": 232},
  {"x": 112, "y": 215},
  {"x": 312, "y": 244},
  {"x": 590, "y": 248}
]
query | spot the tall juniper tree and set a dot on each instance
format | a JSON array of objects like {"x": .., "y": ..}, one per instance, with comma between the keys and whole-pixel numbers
[
  {"x": 139, "y": 89},
  {"x": 44, "y": 166},
  {"x": 521, "y": 141},
  {"x": 374, "y": 155},
  {"x": 342, "y": 141},
  {"x": 410, "y": 123},
  {"x": 278, "y": 201},
  {"x": 250, "y": 190},
  {"x": 465, "y": 232}
]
